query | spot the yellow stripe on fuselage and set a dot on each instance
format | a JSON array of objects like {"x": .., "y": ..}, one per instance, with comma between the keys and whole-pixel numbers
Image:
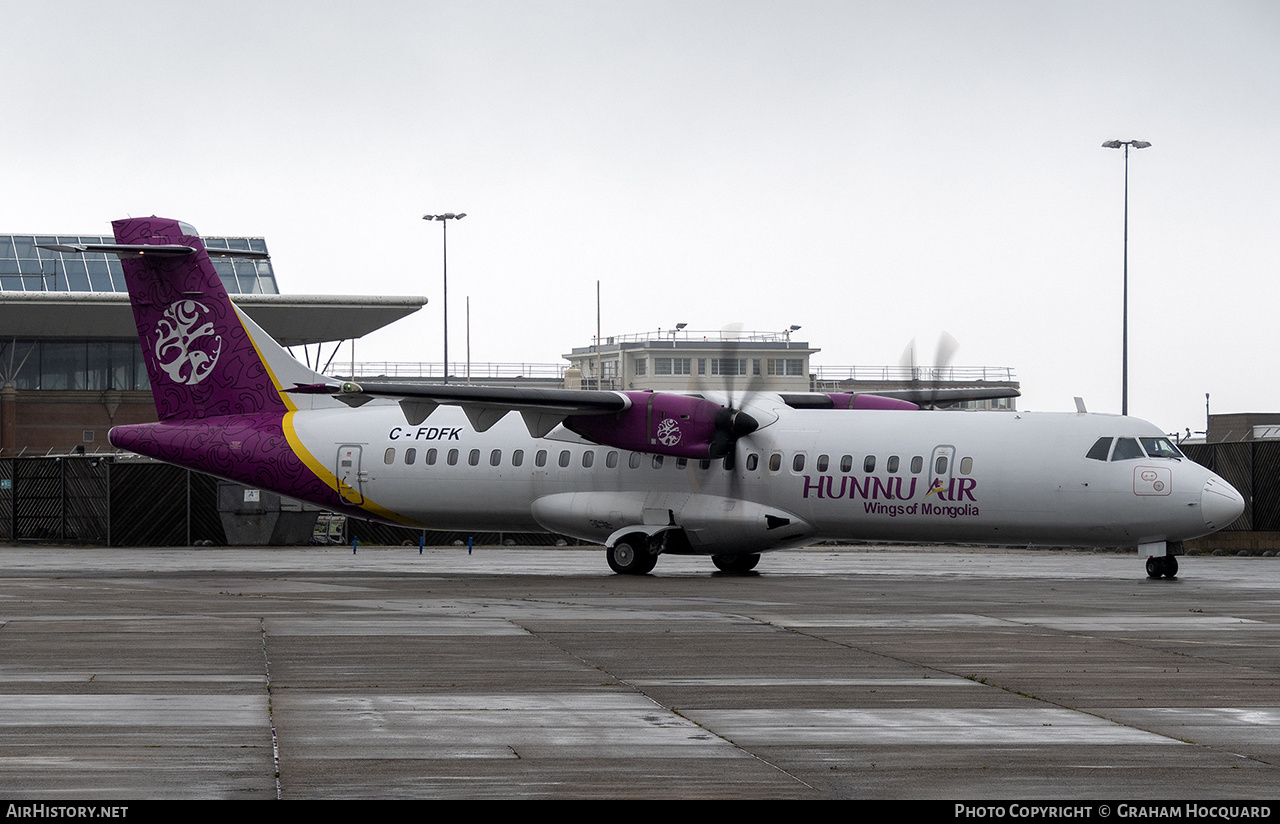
[{"x": 300, "y": 449}]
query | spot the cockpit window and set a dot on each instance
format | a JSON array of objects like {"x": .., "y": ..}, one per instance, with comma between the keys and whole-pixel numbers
[
  {"x": 1127, "y": 449},
  {"x": 1100, "y": 449},
  {"x": 1160, "y": 448}
]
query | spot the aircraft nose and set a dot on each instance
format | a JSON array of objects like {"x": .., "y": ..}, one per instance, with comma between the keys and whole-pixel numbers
[{"x": 1220, "y": 503}]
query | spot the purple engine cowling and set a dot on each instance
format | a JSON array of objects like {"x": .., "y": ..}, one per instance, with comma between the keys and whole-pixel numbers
[
  {"x": 849, "y": 400},
  {"x": 677, "y": 425}
]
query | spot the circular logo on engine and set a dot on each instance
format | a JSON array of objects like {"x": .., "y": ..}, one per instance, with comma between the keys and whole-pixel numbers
[
  {"x": 187, "y": 346},
  {"x": 669, "y": 432}
]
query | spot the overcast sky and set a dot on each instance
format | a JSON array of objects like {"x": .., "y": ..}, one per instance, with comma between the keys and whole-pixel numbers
[{"x": 872, "y": 171}]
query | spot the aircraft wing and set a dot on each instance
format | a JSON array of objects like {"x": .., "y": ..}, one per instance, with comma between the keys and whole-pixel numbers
[
  {"x": 541, "y": 409},
  {"x": 915, "y": 397},
  {"x": 942, "y": 397}
]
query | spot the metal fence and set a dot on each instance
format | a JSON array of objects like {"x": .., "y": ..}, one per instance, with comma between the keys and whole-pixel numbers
[
  {"x": 103, "y": 501},
  {"x": 99, "y": 500},
  {"x": 1252, "y": 467}
]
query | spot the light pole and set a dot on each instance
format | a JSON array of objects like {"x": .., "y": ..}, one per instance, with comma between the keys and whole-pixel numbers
[
  {"x": 1124, "y": 364},
  {"x": 444, "y": 226}
]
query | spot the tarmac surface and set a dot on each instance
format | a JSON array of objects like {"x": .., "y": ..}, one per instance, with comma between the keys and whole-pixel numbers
[{"x": 536, "y": 673}]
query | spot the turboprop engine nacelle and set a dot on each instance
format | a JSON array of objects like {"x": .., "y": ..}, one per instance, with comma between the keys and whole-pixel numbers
[{"x": 678, "y": 425}]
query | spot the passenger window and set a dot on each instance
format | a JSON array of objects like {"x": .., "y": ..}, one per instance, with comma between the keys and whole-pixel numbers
[
  {"x": 634, "y": 460},
  {"x": 966, "y": 466},
  {"x": 410, "y": 455},
  {"x": 681, "y": 463},
  {"x": 775, "y": 461},
  {"x": 797, "y": 463},
  {"x": 564, "y": 458},
  {"x": 431, "y": 456},
  {"x": 1127, "y": 449},
  {"x": 1099, "y": 450},
  {"x": 657, "y": 461},
  {"x": 588, "y": 459},
  {"x": 517, "y": 457},
  {"x": 892, "y": 465},
  {"x": 389, "y": 456},
  {"x": 611, "y": 460},
  {"x": 704, "y": 464},
  {"x": 452, "y": 457},
  {"x": 940, "y": 466},
  {"x": 473, "y": 457},
  {"x": 823, "y": 461},
  {"x": 540, "y": 459},
  {"x": 917, "y": 464},
  {"x": 869, "y": 464},
  {"x": 753, "y": 461},
  {"x": 846, "y": 463},
  {"x": 728, "y": 462},
  {"x": 495, "y": 457}
]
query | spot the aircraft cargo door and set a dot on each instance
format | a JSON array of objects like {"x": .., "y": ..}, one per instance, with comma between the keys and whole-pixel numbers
[{"x": 350, "y": 481}]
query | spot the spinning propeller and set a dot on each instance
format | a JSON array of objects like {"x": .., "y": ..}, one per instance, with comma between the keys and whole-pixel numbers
[
  {"x": 926, "y": 392},
  {"x": 731, "y": 421}
]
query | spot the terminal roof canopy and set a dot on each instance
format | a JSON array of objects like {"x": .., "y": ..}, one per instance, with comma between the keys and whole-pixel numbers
[
  {"x": 291, "y": 319},
  {"x": 51, "y": 294}
]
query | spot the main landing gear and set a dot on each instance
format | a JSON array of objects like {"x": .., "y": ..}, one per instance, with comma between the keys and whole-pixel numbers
[
  {"x": 736, "y": 563},
  {"x": 628, "y": 558},
  {"x": 1165, "y": 566}
]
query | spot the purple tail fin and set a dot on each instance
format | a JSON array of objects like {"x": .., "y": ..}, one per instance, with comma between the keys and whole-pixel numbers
[
  {"x": 201, "y": 360},
  {"x": 213, "y": 371}
]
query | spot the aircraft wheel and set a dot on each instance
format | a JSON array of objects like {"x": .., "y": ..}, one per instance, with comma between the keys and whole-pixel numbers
[
  {"x": 1170, "y": 566},
  {"x": 1154, "y": 568},
  {"x": 626, "y": 559},
  {"x": 736, "y": 563}
]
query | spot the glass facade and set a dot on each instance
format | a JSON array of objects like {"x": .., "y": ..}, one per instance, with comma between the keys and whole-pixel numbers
[
  {"x": 98, "y": 365},
  {"x": 77, "y": 364},
  {"x": 25, "y": 268}
]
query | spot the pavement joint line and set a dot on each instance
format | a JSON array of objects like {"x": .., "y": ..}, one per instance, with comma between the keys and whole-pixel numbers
[
  {"x": 271, "y": 719},
  {"x": 639, "y": 691},
  {"x": 987, "y": 683}
]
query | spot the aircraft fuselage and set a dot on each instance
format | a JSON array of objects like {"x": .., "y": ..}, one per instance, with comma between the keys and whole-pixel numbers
[{"x": 876, "y": 475}]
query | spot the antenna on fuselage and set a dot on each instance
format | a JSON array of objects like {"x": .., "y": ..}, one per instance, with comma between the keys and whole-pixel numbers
[{"x": 1080, "y": 405}]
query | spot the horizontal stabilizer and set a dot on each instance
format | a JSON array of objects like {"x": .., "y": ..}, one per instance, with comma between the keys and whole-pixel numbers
[{"x": 132, "y": 250}]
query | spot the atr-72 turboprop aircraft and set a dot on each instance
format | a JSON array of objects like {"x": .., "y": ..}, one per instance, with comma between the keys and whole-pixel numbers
[{"x": 644, "y": 473}]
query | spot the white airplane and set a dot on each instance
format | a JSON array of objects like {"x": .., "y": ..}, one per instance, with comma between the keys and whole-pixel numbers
[{"x": 643, "y": 473}]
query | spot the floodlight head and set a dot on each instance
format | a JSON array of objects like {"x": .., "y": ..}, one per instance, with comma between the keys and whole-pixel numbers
[
  {"x": 795, "y": 327},
  {"x": 1140, "y": 144},
  {"x": 1112, "y": 144},
  {"x": 680, "y": 326}
]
